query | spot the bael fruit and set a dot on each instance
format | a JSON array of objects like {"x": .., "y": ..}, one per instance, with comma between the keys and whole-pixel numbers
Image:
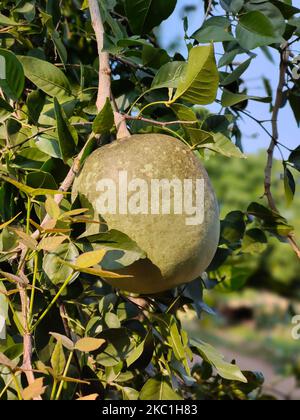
[{"x": 177, "y": 252}]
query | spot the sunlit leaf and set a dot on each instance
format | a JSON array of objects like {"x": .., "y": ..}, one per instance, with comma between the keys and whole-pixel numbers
[
  {"x": 200, "y": 81},
  {"x": 88, "y": 344},
  {"x": 58, "y": 359},
  {"x": 46, "y": 76}
]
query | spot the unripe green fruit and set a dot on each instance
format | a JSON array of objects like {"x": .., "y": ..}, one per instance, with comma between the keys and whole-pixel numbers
[{"x": 177, "y": 252}]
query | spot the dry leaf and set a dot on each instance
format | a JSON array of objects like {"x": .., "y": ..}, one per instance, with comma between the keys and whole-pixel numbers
[
  {"x": 34, "y": 390},
  {"x": 51, "y": 243},
  {"x": 91, "y": 397},
  {"x": 87, "y": 344}
]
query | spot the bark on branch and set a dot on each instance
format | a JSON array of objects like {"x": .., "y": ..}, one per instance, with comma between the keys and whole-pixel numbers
[
  {"x": 275, "y": 137},
  {"x": 104, "y": 86}
]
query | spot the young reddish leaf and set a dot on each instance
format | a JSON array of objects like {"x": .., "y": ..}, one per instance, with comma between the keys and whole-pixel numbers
[{"x": 51, "y": 243}]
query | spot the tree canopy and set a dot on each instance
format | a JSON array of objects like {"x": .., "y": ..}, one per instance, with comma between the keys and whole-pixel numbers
[{"x": 74, "y": 75}]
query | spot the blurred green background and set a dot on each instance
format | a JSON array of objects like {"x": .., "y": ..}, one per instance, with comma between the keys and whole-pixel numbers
[{"x": 254, "y": 323}]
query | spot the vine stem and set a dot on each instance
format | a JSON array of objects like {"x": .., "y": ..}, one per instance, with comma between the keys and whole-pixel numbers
[{"x": 284, "y": 60}]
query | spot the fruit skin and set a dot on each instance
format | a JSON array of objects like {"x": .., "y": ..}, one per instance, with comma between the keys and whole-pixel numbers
[{"x": 177, "y": 253}]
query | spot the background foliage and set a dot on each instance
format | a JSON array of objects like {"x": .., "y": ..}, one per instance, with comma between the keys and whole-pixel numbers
[{"x": 83, "y": 339}]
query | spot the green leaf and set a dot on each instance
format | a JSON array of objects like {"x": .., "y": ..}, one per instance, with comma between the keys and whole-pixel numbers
[
  {"x": 271, "y": 12},
  {"x": 254, "y": 241},
  {"x": 215, "y": 29},
  {"x": 154, "y": 57},
  {"x": 289, "y": 186},
  {"x": 52, "y": 208},
  {"x": 233, "y": 227},
  {"x": 118, "y": 347},
  {"x": 104, "y": 121},
  {"x": 287, "y": 10},
  {"x": 41, "y": 180},
  {"x": 35, "y": 102},
  {"x": 184, "y": 113},
  {"x": 256, "y": 30},
  {"x": 232, "y": 6},
  {"x": 58, "y": 360},
  {"x": 138, "y": 352},
  {"x": 168, "y": 76},
  {"x": 199, "y": 138},
  {"x": 230, "y": 99},
  {"x": 33, "y": 192},
  {"x": 12, "y": 77},
  {"x": 158, "y": 389},
  {"x": 5, "y": 110},
  {"x": 47, "y": 77},
  {"x": 49, "y": 145},
  {"x": 192, "y": 131},
  {"x": 5, "y": 21},
  {"x": 112, "y": 320},
  {"x": 144, "y": 15},
  {"x": 236, "y": 74},
  {"x": 212, "y": 356},
  {"x": 294, "y": 158},
  {"x": 114, "y": 239},
  {"x": 176, "y": 342},
  {"x": 200, "y": 81},
  {"x": 59, "y": 45},
  {"x": 224, "y": 146},
  {"x": 294, "y": 104},
  {"x": 55, "y": 263},
  {"x": 95, "y": 271},
  {"x": 67, "y": 135},
  {"x": 271, "y": 221},
  {"x": 129, "y": 394},
  {"x": 255, "y": 22}
]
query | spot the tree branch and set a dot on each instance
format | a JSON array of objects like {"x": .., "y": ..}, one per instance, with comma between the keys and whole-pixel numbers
[
  {"x": 104, "y": 86},
  {"x": 274, "y": 140},
  {"x": 208, "y": 10},
  {"x": 161, "y": 123},
  {"x": 27, "y": 338}
]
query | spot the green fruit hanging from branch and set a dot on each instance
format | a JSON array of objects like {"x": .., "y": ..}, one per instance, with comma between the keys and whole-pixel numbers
[{"x": 155, "y": 190}]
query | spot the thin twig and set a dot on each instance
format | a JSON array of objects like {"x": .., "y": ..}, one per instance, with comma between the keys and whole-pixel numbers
[
  {"x": 104, "y": 86},
  {"x": 65, "y": 186},
  {"x": 274, "y": 140},
  {"x": 208, "y": 10},
  {"x": 27, "y": 338},
  {"x": 63, "y": 315}
]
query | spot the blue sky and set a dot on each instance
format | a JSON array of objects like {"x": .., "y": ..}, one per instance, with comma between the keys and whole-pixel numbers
[{"x": 172, "y": 30}]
